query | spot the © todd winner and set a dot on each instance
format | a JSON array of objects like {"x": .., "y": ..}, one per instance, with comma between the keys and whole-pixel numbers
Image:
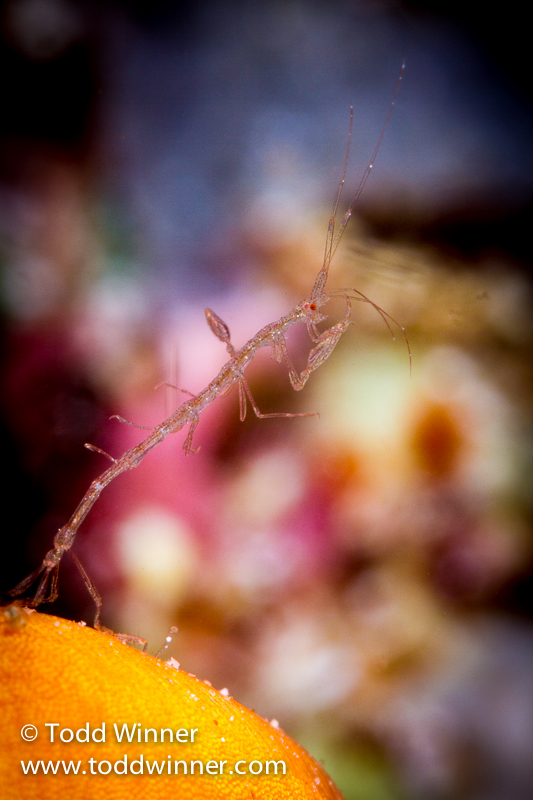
[{"x": 133, "y": 732}]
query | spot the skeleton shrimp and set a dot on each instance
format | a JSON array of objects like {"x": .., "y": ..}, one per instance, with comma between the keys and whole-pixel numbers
[{"x": 188, "y": 413}]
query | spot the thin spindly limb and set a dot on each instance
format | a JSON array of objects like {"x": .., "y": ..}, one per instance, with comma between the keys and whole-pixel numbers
[
  {"x": 133, "y": 424},
  {"x": 260, "y": 415},
  {"x": 24, "y": 584},
  {"x": 242, "y": 402},
  {"x": 48, "y": 583},
  {"x": 187, "y": 446},
  {"x": 93, "y": 591},
  {"x": 96, "y": 449},
  {"x": 173, "y": 386}
]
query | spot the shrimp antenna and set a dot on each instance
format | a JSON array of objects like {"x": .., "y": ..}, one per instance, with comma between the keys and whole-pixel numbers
[
  {"x": 355, "y": 294},
  {"x": 332, "y": 239},
  {"x": 330, "y": 249}
]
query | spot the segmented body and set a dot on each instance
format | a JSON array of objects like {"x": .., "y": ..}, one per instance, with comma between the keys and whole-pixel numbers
[{"x": 188, "y": 413}]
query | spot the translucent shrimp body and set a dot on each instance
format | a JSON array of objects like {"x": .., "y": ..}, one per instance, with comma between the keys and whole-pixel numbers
[{"x": 233, "y": 372}]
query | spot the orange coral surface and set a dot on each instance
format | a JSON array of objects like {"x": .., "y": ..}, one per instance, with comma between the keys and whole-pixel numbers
[{"x": 61, "y": 681}]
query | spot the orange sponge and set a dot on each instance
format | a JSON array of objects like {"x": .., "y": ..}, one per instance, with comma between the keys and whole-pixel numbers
[{"x": 86, "y": 717}]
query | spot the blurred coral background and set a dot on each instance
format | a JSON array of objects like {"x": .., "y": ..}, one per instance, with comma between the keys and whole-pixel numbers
[{"x": 364, "y": 577}]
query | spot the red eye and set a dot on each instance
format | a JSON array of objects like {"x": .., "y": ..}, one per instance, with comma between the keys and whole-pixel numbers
[{"x": 312, "y": 306}]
